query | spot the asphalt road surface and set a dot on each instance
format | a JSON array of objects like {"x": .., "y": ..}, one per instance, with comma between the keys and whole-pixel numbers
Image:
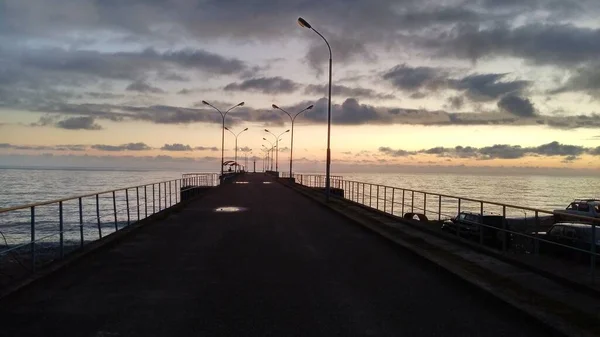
[{"x": 285, "y": 266}]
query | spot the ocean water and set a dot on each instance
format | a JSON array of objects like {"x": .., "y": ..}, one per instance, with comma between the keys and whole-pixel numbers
[{"x": 24, "y": 186}]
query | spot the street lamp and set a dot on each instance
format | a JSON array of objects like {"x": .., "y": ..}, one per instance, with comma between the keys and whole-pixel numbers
[
  {"x": 293, "y": 119},
  {"x": 236, "y": 146},
  {"x": 223, "y": 129},
  {"x": 271, "y": 150},
  {"x": 277, "y": 146},
  {"x": 305, "y": 24}
]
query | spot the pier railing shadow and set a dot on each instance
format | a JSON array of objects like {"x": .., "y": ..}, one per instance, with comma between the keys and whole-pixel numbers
[
  {"x": 34, "y": 235},
  {"x": 520, "y": 237}
]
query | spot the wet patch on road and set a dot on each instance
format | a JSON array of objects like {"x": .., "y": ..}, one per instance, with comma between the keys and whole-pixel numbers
[{"x": 230, "y": 209}]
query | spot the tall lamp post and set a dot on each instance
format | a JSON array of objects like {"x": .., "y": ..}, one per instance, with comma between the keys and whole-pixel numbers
[
  {"x": 277, "y": 146},
  {"x": 305, "y": 24},
  {"x": 271, "y": 151},
  {"x": 293, "y": 119},
  {"x": 223, "y": 129},
  {"x": 236, "y": 145}
]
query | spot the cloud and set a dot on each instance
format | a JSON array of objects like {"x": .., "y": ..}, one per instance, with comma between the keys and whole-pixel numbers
[
  {"x": 347, "y": 49},
  {"x": 542, "y": 44},
  {"x": 394, "y": 153},
  {"x": 266, "y": 85},
  {"x": 78, "y": 123},
  {"x": 123, "y": 147},
  {"x": 584, "y": 79},
  {"x": 143, "y": 87},
  {"x": 176, "y": 147},
  {"x": 206, "y": 148},
  {"x": 517, "y": 106},
  {"x": 409, "y": 78},
  {"x": 245, "y": 149},
  {"x": 70, "y": 147},
  {"x": 500, "y": 151},
  {"x": 486, "y": 87},
  {"x": 570, "y": 159},
  {"x": 345, "y": 91},
  {"x": 456, "y": 102}
]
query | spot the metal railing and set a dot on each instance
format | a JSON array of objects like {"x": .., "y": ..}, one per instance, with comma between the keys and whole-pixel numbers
[
  {"x": 35, "y": 234},
  {"x": 517, "y": 234}
]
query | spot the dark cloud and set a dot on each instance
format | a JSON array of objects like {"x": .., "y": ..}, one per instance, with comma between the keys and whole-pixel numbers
[
  {"x": 176, "y": 147},
  {"x": 585, "y": 79},
  {"x": 409, "y": 78},
  {"x": 517, "y": 106},
  {"x": 143, "y": 87},
  {"x": 456, "y": 102},
  {"x": 206, "y": 148},
  {"x": 123, "y": 147},
  {"x": 487, "y": 87},
  {"x": 78, "y": 123},
  {"x": 267, "y": 85},
  {"x": 501, "y": 151},
  {"x": 342, "y": 90},
  {"x": 71, "y": 147},
  {"x": 347, "y": 49},
  {"x": 570, "y": 159},
  {"x": 394, "y": 153},
  {"x": 553, "y": 44}
]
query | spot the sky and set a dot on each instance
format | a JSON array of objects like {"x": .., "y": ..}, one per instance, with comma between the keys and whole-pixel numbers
[{"x": 420, "y": 84}]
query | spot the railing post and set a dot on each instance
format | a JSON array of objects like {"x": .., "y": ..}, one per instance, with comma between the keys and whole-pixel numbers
[
  {"x": 81, "y": 222},
  {"x": 393, "y": 192},
  {"x": 504, "y": 236},
  {"x": 593, "y": 253},
  {"x": 425, "y": 204},
  {"x": 370, "y": 195},
  {"x": 33, "y": 239},
  {"x": 482, "y": 226},
  {"x": 176, "y": 191},
  {"x": 384, "y": 199},
  {"x": 170, "y": 194},
  {"x": 153, "y": 200},
  {"x": 137, "y": 200},
  {"x": 98, "y": 216},
  {"x": 439, "y": 208},
  {"x": 115, "y": 210},
  {"x": 363, "y": 194},
  {"x": 127, "y": 202},
  {"x": 458, "y": 224},
  {"x": 145, "y": 201},
  {"x": 536, "y": 243},
  {"x": 61, "y": 230},
  {"x": 377, "y": 203},
  {"x": 403, "y": 191},
  {"x": 412, "y": 201},
  {"x": 159, "y": 198}
]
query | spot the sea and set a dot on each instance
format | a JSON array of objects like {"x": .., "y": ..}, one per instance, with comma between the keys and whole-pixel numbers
[{"x": 20, "y": 186}]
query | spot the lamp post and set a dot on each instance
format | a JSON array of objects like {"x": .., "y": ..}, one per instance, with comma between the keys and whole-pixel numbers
[
  {"x": 236, "y": 145},
  {"x": 305, "y": 24},
  {"x": 277, "y": 146},
  {"x": 271, "y": 150},
  {"x": 223, "y": 129},
  {"x": 293, "y": 119}
]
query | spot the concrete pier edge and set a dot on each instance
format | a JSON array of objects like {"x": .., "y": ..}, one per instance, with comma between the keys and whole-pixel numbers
[{"x": 484, "y": 283}]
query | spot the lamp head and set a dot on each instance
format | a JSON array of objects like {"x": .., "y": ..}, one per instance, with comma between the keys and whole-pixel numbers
[
  {"x": 310, "y": 107},
  {"x": 267, "y": 130},
  {"x": 288, "y": 130},
  {"x": 303, "y": 23},
  {"x": 275, "y": 106},
  {"x": 226, "y": 128},
  {"x": 246, "y": 129},
  {"x": 240, "y": 104},
  {"x": 264, "y": 138},
  {"x": 205, "y": 102}
]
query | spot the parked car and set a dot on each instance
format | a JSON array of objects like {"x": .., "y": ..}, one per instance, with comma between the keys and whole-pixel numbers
[
  {"x": 564, "y": 236},
  {"x": 585, "y": 207},
  {"x": 468, "y": 224}
]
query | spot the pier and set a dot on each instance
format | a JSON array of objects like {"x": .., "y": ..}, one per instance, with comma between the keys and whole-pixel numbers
[{"x": 264, "y": 256}]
